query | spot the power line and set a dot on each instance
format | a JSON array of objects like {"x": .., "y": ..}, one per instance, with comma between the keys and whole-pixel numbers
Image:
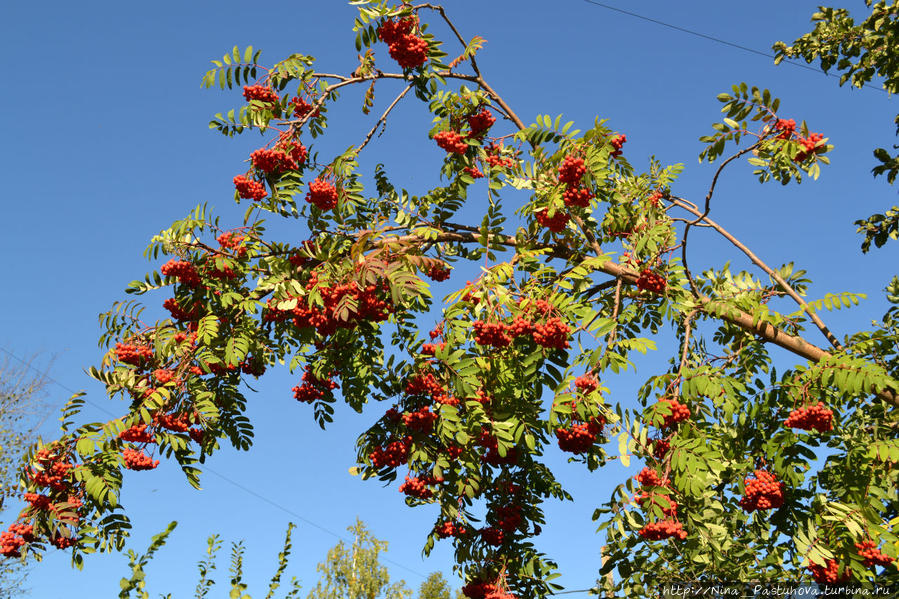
[{"x": 718, "y": 40}]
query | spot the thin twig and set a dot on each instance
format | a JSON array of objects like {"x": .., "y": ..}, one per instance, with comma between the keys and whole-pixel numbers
[{"x": 383, "y": 119}]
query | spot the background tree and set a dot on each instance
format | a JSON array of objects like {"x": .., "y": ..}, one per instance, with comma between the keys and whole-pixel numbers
[
  {"x": 860, "y": 53},
  {"x": 21, "y": 405},
  {"x": 355, "y": 572},
  {"x": 436, "y": 587}
]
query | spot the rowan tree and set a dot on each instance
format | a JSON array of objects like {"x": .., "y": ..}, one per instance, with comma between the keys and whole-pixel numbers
[{"x": 583, "y": 263}]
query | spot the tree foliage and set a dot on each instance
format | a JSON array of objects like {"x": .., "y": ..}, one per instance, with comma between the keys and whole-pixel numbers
[
  {"x": 746, "y": 471},
  {"x": 355, "y": 572},
  {"x": 860, "y": 53}
]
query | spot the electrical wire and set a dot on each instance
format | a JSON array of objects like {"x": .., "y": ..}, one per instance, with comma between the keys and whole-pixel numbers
[{"x": 718, "y": 40}]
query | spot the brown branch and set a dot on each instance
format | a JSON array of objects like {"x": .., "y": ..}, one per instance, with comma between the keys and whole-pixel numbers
[{"x": 771, "y": 272}]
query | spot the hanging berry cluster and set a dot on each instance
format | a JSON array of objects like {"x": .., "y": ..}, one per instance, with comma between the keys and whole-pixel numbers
[
  {"x": 12, "y": 539},
  {"x": 249, "y": 189},
  {"x": 138, "y": 460},
  {"x": 811, "y": 418},
  {"x": 873, "y": 556},
  {"x": 764, "y": 492},
  {"x": 571, "y": 172},
  {"x": 322, "y": 194},
  {"x": 313, "y": 388},
  {"x": 451, "y": 142},
  {"x": 261, "y": 93},
  {"x": 406, "y": 48},
  {"x": 650, "y": 281},
  {"x": 831, "y": 573},
  {"x": 552, "y": 333},
  {"x": 392, "y": 455},
  {"x": 678, "y": 412}
]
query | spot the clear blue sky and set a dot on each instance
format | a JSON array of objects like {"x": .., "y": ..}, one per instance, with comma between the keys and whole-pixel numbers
[{"x": 105, "y": 142}]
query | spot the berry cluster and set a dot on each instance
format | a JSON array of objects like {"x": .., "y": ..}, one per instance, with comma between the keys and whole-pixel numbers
[
  {"x": 579, "y": 438},
  {"x": 816, "y": 417},
  {"x": 184, "y": 271},
  {"x": 492, "y": 536},
  {"x": 663, "y": 529},
  {"x": 12, "y": 539},
  {"x": 395, "y": 453},
  {"x": 617, "y": 142},
  {"x": 491, "y": 456},
  {"x": 577, "y": 196},
  {"x": 586, "y": 384},
  {"x": 38, "y": 501},
  {"x": 137, "y": 434},
  {"x": 291, "y": 146},
  {"x": 275, "y": 161},
  {"x": 322, "y": 194},
  {"x": 178, "y": 423},
  {"x": 438, "y": 272},
  {"x": 449, "y": 529},
  {"x": 163, "y": 375},
  {"x": 451, "y": 142},
  {"x": 138, "y": 460},
  {"x": 570, "y": 173},
  {"x": 473, "y": 171},
  {"x": 230, "y": 240},
  {"x": 480, "y": 122},
  {"x": 418, "y": 486},
  {"x": 421, "y": 421},
  {"x": 491, "y": 333},
  {"x": 786, "y": 128},
  {"x": 555, "y": 223},
  {"x": 313, "y": 388},
  {"x": 178, "y": 312},
  {"x": 480, "y": 590},
  {"x": 507, "y": 517},
  {"x": 650, "y": 478},
  {"x": 763, "y": 492},
  {"x": 406, "y": 48},
  {"x": 873, "y": 557},
  {"x": 552, "y": 334},
  {"x": 809, "y": 146},
  {"x": 679, "y": 412},
  {"x": 249, "y": 189},
  {"x": 832, "y": 573},
  {"x": 650, "y": 281},
  {"x": 260, "y": 93},
  {"x": 133, "y": 354},
  {"x": 327, "y": 319},
  {"x": 301, "y": 107},
  {"x": 52, "y": 470},
  {"x": 659, "y": 448}
]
